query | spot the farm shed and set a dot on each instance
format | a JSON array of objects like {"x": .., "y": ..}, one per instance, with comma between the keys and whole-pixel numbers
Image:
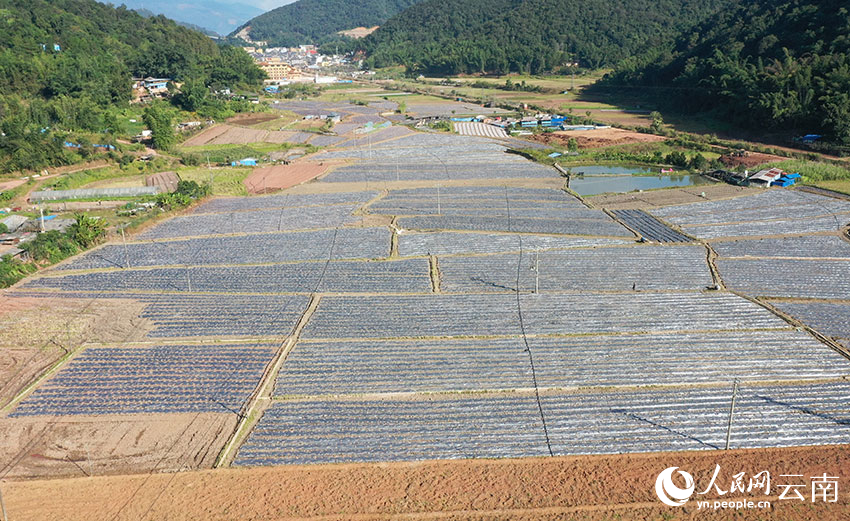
[
  {"x": 765, "y": 177},
  {"x": 14, "y": 222}
]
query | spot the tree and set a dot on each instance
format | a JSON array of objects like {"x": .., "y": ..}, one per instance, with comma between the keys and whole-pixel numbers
[
  {"x": 86, "y": 230},
  {"x": 159, "y": 120},
  {"x": 657, "y": 125},
  {"x": 572, "y": 145},
  {"x": 192, "y": 95}
]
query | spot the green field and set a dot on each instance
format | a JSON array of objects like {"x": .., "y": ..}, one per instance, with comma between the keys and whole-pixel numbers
[{"x": 225, "y": 181}]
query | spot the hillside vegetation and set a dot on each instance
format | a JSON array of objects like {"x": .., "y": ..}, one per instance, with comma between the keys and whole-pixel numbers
[
  {"x": 531, "y": 36},
  {"x": 47, "y": 92},
  {"x": 775, "y": 65},
  {"x": 315, "y": 21}
]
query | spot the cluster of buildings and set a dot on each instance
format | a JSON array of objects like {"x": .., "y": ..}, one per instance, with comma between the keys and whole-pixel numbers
[
  {"x": 302, "y": 64},
  {"x": 148, "y": 89},
  {"x": 20, "y": 229},
  {"x": 527, "y": 124}
]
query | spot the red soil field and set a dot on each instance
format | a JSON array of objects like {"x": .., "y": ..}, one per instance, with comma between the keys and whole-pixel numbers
[{"x": 274, "y": 178}]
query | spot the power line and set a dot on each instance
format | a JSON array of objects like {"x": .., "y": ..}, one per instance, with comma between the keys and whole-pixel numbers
[{"x": 524, "y": 336}]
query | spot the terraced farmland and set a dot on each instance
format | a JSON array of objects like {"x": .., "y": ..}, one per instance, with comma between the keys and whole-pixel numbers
[
  {"x": 773, "y": 212},
  {"x": 826, "y": 279},
  {"x": 451, "y": 243},
  {"x": 224, "y": 316},
  {"x": 286, "y": 200},
  {"x": 805, "y": 247},
  {"x": 464, "y": 321},
  {"x": 152, "y": 379},
  {"x": 304, "y": 218},
  {"x": 829, "y": 318},
  {"x": 299, "y": 432},
  {"x": 347, "y": 243},
  {"x": 604, "y": 269},
  {"x": 494, "y": 314},
  {"x": 649, "y": 227},
  {"x": 309, "y": 432},
  {"x": 408, "y": 275},
  {"x": 390, "y": 366},
  {"x": 599, "y": 225}
]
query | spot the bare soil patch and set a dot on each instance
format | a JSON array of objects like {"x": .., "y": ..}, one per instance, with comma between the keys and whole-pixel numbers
[
  {"x": 167, "y": 181},
  {"x": 248, "y": 119},
  {"x": 230, "y": 135},
  {"x": 37, "y": 332},
  {"x": 668, "y": 197},
  {"x": 274, "y": 178},
  {"x": 70, "y": 446},
  {"x": 598, "y": 138},
  {"x": 205, "y": 136},
  {"x": 586, "y": 488},
  {"x": 750, "y": 160}
]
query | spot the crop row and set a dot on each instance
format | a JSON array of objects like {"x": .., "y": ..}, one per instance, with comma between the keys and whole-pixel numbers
[
  {"x": 804, "y": 247},
  {"x": 797, "y": 211},
  {"x": 448, "y": 243},
  {"x": 271, "y": 220},
  {"x": 365, "y": 172},
  {"x": 347, "y": 243},
  {"x": 439, "y": 315},
  {"x": 650, "y": 227},
  {"x": 831, "y": 319},
  {"x": 408, "y": 275},
  {"x": 766, "y": 200},
  {"x": 312, "y": 432},
  {"x": 827, "y": 279},
  {"x": 788, "y": 226},
  {"x": 581, "y": 423},
  {"x": 603, "y": 269},
  {"x": 222, "y": 315},
  {"x": 354, "y": 367},
  {"x": 147, "y": 379},
  {"x": 497, "y": 194},
  {"x": 597, "y": 227},
  {"x": 286, "y": 200},
  {"x": 459, "y": 210}
]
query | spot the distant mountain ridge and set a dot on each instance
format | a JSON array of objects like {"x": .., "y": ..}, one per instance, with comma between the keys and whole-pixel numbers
[
  {"x": 217, "y": 16},
  {"x": 316, "y": 21}
]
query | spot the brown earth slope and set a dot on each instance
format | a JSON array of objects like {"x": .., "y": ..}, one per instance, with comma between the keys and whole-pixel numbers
[{"x": 562, "y": 488}]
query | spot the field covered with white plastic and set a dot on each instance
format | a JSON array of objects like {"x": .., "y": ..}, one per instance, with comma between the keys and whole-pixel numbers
[{"x": 420, "y": 321}]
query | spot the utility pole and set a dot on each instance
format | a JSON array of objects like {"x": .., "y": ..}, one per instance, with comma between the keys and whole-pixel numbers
[
  {"x": 731, "y": 412},
  {"x": 126, "y": 255},
  {"x": 536, "y": 270},
  {"x": 41, "y": 221},
  {"x": 210, "y": 169}
]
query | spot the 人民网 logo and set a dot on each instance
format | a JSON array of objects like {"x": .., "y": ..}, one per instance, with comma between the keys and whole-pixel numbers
[{"x": 668, "y": 492}]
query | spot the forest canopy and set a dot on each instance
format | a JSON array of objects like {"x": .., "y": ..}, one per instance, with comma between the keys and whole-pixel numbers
[
  {"x": 776, "y": 65},
  {"x": 531, "y": 36},
  {"x": 66, "y": 64}
]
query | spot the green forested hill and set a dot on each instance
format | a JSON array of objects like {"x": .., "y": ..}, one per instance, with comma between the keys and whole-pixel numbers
[
  {"x": 471, "y": 36},
  {"x": 313, "y": 21},
  {"x": 46, "y": 91},
  {"x": 768, "y": 65}
]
